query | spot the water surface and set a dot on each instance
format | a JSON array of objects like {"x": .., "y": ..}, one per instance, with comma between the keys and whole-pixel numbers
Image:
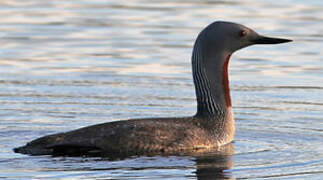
[{"x": 69, "y": 64}]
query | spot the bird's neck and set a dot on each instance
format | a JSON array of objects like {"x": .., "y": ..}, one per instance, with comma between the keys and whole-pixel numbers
[{"x": 210, "y": 74}]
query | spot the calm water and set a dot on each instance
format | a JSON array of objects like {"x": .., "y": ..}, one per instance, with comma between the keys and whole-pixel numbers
[{"x": 69, "y": 64}]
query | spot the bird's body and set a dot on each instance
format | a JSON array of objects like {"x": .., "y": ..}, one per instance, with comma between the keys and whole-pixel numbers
[
  {"x": 212, "y": 126},
  {"x": 136, "y": 136}
]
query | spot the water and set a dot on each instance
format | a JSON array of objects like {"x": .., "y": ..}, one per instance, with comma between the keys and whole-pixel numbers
[{"x": 69, "y": 64}]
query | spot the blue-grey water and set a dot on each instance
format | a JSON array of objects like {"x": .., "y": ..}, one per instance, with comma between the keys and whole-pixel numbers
[{"x": 69, "y": 64}]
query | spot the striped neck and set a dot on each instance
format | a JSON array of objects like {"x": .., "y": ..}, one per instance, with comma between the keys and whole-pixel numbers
[{"x": 210, "y": 74}]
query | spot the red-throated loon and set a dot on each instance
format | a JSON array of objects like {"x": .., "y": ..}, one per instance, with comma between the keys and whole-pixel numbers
[{"x": 212, "y": 126}]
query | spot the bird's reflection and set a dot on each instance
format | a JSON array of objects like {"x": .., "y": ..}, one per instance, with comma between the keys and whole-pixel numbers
[{"x": 212, "y": 165}]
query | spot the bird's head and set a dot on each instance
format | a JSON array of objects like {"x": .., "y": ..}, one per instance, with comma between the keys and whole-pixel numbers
[{"x": 230, "y": 37}]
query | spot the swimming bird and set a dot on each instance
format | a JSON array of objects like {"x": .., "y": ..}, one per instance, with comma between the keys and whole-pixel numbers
[{"x": 212, "y": 125}]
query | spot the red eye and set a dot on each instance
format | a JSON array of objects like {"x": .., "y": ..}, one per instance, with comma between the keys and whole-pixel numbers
[{"x": 243, "y": 33}]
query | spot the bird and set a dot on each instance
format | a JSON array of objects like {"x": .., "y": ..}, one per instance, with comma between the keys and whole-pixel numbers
[{"x": 212, "y": 126}]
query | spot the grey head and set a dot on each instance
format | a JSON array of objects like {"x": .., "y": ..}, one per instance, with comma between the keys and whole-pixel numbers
[{"x": 229, "y": 37}]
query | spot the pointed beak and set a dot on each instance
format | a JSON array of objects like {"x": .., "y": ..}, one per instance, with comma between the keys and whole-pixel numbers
[{"x": 269, "y": 40}]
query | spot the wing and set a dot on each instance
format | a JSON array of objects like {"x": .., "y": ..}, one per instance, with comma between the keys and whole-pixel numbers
[{"x": 131, "y": 136}]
